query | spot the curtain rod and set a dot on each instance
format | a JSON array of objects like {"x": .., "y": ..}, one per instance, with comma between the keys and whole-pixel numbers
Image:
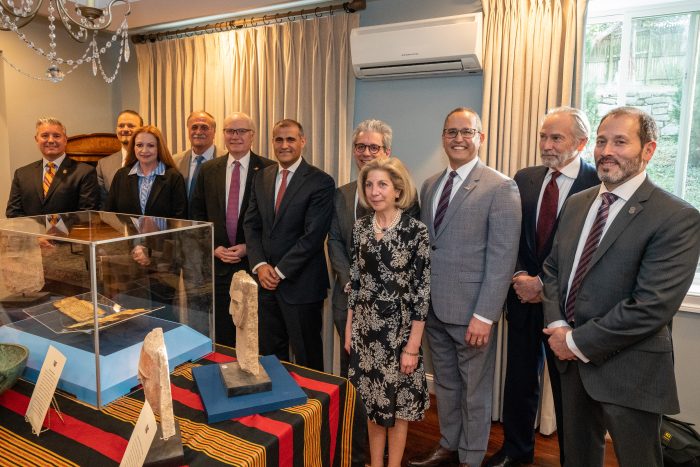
[{"x": 348, "y": 7}]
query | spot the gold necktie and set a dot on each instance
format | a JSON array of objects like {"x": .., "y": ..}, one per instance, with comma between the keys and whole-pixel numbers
[{"x": 48, "y": 176}]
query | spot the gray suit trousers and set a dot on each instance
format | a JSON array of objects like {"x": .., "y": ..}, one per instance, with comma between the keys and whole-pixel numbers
[
  {"x": 463, "y": 388},
  {"x": 635, "y": 433}
]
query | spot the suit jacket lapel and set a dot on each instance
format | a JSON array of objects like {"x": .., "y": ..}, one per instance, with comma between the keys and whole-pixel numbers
[
  {"x": 253, "y": 167},
  {"x": 185, "y": 166},
  {"x": 628, "y": 212},
  {"x": 268, "y": 211},
  {"x": 461, "y": 195},
  {"x": 38, "y": 180},
  {"x": 429, "y": 204},
  {"x": 157, "y": 187},
  {"x": 220, "y": 184},
  {"x": 572, "y": 238},
  {"x": 62, "y": 172}
]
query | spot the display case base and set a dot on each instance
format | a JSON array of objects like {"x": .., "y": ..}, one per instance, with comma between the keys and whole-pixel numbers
[
  {"x": 166, "y": 453},
  {"x": 218, "y": 406},
  {"x": 238, "y": 382},
  {"x": 120, "y": 348}
]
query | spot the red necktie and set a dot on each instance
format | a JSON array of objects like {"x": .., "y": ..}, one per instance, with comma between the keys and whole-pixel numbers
[
  {"x": 589, "y": 249},
  {"x": 548, "y": 213},
  {"x": 232, "y": 206},
  {"x": 280, "y": 192}
]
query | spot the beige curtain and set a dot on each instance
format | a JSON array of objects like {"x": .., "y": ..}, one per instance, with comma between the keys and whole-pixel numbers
[
  {"x": 298, "y": 69},
  {"x": 532, "y": 62}
]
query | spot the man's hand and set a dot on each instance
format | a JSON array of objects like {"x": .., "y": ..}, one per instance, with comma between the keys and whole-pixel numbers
[
  {"x": 557, "y": 341},
  {"x": 239, "y": 250},
  {"x": 227, "y": 255},
  {"x": 140, "y": 255},
  {"x": 268, "y": 277},
  {"x": 478, "y": 333},
  {"x": 528, "y": 288}
]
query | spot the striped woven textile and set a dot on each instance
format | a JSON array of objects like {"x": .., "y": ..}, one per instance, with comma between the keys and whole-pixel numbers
[{"x": 318, "y": 433}]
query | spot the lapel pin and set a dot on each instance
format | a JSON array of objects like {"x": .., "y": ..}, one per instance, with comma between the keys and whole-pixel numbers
[
  {"x": 632, "y": 210},
  {"x": 65, "y": 171}
]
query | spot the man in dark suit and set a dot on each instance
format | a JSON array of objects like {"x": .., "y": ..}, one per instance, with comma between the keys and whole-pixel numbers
[
  {"x": 543, "y": 190},
  {"x": 285, "y": 226},
  {"x": 55, "y": 183},
  {"x": 213, "y": 200},
  {"x": 622, "y": 261},
  {"x": 473, "y": 218},
  {"x": 371, "y": 140},
  {"x": 201, "y": 129},
  {"x": 127, "y": 122}
]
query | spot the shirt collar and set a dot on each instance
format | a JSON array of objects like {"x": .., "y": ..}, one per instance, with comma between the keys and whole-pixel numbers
[
  {"x": 244, "y": 161},
  {"x": 464, "y": 171},
  {"x": 208, "y": 154},
  {"x": 627, "y": 189},
  {"x": 571, "y": 169},
  {"x": 58, "y": 161},
  {"x": 293, "y": 168},
  {"x": 136, "y": 169}
]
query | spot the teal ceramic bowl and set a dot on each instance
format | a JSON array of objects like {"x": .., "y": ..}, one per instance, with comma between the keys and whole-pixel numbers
[{"x": 13, "y": 359}]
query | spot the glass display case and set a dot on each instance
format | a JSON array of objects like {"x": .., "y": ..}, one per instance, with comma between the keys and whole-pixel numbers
[{"x": 93, "y": 284}]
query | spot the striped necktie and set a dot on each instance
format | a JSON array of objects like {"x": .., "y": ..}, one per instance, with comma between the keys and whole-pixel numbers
[
  {"x": 444, "y": 201},
  {"x": 48, "y": 176}
]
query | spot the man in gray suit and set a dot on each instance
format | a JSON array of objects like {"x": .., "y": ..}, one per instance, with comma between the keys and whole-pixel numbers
[
  {"x": 473, "y": 217},
  {"x": 127, "y": 122},
  {"x": 201, "y": 129},
  {"x": 623, "y": 258}
]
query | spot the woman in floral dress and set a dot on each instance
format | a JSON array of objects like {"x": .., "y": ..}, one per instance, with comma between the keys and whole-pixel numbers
[{"x": 387, "y": 307}]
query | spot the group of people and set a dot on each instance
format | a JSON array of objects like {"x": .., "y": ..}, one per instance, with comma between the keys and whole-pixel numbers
[{"x": 590, "y": 273}]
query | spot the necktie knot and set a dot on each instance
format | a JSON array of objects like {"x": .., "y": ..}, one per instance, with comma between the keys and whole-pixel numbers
[
  {"x": 453, "y": 174},
  {"x": 609, "y": 198},
  {"x": 555, "y": 175},
  {"x": 51, "y": 166}
]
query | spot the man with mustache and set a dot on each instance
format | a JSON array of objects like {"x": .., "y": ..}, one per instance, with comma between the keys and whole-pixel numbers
[
  {"x": 622, "y": 261},
  {"x": 543, "y": 191},
  {"x": 127, "y": 122},
  {"x": 55, "y": 183}
]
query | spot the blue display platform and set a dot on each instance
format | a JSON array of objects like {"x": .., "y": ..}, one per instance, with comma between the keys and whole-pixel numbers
[
  {"x": 120, "y": 348},
  {"x": 219, "y": 407}
]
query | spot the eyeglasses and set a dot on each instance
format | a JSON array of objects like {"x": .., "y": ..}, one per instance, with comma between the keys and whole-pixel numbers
[
  {"x": 465, "y": 132},
  {"x": 373, "y": 148},
  {"x": 236, "y": 131}
]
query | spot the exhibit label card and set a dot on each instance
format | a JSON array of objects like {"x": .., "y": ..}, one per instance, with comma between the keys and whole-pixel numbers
[
  {"x": 141, "y": 438},
  {"x": 45, "y": 388}
]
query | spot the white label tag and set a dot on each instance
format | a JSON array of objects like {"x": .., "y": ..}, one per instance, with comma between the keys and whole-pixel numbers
[
  {"x": 141, "y": 438},
  {"x": 45, "y": 388}
]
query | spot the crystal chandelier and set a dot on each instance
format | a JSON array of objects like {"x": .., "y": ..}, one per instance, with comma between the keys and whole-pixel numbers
[{"x": 79, "y": 21}]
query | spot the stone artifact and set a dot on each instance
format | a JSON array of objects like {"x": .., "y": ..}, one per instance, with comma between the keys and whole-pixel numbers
[
  {"x": 155, "y": 378},
  {"x": 244, "y": 310},
  {"x": 21, "y": 266}
]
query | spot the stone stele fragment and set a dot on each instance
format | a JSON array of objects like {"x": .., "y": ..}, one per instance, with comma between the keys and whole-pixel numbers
[{"x": 244, "y": 311}]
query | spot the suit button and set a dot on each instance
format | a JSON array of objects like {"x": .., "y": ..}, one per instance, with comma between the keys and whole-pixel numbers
[{"x": 433, "y": 247}]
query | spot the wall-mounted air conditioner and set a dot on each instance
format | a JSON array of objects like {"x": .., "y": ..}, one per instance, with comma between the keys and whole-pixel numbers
[{"x": 417, "y": 48}]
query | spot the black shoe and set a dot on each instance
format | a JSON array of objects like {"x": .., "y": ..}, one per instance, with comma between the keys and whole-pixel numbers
[
  {"x": 438, "y": 457},
  {"x": 501, "y": 459}
]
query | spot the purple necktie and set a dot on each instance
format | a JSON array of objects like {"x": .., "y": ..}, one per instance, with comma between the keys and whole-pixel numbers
[
  {"x": 444, "y": 201},
  {"x": 232, "y": 206},
  {"x": 548, "y": 213},
  {"x": 589, "y": 249}
]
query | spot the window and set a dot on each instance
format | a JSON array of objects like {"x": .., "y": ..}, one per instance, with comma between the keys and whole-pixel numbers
[{"x": 645, "y": 54}]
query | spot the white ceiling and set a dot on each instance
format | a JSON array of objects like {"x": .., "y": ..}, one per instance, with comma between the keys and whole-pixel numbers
[{"x": 152, "y": 15}]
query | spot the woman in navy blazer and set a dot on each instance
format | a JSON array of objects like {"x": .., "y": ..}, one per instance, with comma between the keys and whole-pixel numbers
[{"x": 148, "y": 184}]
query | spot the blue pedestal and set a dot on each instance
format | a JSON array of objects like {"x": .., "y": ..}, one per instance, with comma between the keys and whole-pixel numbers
[
  {"x": 219, "y": 407},
  {"x": 120, "y": 349}
]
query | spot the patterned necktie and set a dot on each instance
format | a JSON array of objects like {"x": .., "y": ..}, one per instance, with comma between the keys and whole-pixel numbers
[
  {"x": 280, "y": 192},
  {"x": 589, "y": 249},
  {"x": 444, "y": 201},
  {"x": 232, "y": 206},
  {"x": 548, "y": 213},
  {"x": 193, "y": 179},
  {"x": 48, "y": 176}
]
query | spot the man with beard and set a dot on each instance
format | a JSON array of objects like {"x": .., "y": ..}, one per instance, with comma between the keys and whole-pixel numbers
[
  {"x": 127, "y": 122},
  {"x": 623, "y": 258},
  {"x": 543, "y": 190}
]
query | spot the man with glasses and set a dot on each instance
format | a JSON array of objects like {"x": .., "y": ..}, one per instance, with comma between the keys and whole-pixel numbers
[
  {"x": 370, "y": 140},
  {"x": 473, "y": 218},
  {"x": 201, "y": 129},
  {"x": 221, "y": 195}
]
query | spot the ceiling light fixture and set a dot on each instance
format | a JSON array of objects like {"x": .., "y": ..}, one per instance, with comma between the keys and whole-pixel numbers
[{"x": 79, "y": 20}]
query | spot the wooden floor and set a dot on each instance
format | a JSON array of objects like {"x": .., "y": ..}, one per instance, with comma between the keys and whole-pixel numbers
[{"x": 424, "y": 435}]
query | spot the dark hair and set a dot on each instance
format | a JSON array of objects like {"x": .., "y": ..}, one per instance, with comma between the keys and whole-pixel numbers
[
  {"x": 131, "y": 112},
  {"x": 287, "y": 122},
  {"x": 468, "y": 110},
  {"x": 648, "y": 131}
]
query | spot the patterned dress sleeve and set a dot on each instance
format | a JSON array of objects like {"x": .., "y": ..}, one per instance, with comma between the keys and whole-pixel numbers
[{"x": 420, "y": 275}]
